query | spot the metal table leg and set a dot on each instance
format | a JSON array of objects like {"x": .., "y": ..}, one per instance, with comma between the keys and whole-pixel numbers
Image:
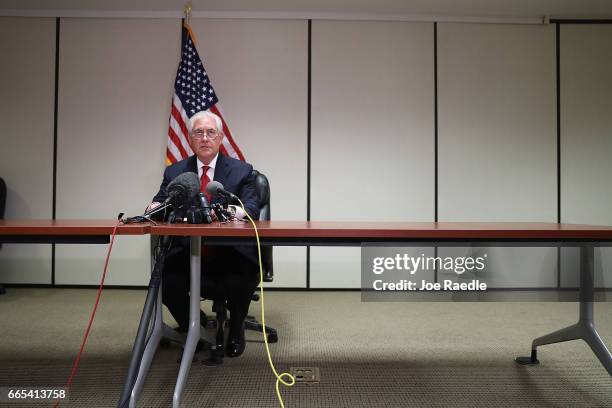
[
  {"x": 193, "y": 335},
  {"x": 585, "y": 328},
  {"x": 139, "y": 346},
  {"x": 149, "y": 352},
  {"x": 151, "y": 313}
]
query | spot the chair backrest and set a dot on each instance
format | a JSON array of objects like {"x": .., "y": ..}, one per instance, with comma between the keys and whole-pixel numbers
[
  {"x": 262, "y": 185},
  {"x": 2, "y": 201},
  {"x": 2, "y": 197}
]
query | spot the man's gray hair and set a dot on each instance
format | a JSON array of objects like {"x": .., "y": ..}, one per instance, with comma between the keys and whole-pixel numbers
[{"x": 202, "y": 115}]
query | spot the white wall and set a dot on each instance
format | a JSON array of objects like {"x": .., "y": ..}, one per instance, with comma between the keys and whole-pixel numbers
[
  {"x": 372, "y": 132},
  {"x": 372, "y": 125},
  {"x": 27, "y": 72},
  {"x": 115, "y": 85},
  {"x": 496, "y": 122}
]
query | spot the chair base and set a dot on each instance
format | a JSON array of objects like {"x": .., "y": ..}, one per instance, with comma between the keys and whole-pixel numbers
[
  {"x": 250, "y": 323},
  {"x": 215, "y": 358},
  {"x": 530, "y": 360}
]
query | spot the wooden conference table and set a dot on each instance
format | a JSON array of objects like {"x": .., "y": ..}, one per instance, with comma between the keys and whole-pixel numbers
[{"x": 294, "y": 233}]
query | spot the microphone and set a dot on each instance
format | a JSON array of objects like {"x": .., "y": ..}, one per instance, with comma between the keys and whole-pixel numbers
[
  {"x": 181, "y": 190},
  {"x": 214, "y": 188},
  {"x": 205, "y": 207}
]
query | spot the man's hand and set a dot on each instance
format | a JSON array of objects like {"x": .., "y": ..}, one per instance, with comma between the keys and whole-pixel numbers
[{"x": 231, "y": 210}]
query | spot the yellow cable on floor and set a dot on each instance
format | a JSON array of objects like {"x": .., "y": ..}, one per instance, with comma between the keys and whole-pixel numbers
[{"x": 279, "y": 378}]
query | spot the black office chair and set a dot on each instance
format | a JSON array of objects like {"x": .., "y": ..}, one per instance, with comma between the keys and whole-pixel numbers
[
  {"x": 219, "y": 306},
  {"x": 263, "y": 193},
  {"x": 2, "y": 207}
]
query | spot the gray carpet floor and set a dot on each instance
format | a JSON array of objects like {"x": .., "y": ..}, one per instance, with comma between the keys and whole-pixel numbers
[{"x": 403, "y": 354}]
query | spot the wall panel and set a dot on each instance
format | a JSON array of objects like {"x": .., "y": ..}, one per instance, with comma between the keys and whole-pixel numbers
[
  {"x": 372, "y": 132},
  {"x": 27, "y": 80},
  {"x": 586, "y": 138},
  {"x": 115, "y": 85},
  {"x": 497, "y": 137}
]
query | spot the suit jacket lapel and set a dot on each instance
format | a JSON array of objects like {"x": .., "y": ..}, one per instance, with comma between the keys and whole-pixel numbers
[
  {"x": 221, "y": 169},
  {"x": 192, "y": 164}
]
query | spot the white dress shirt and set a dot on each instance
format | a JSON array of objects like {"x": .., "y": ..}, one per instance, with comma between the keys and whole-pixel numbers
[{"x": 211, "y": 176}]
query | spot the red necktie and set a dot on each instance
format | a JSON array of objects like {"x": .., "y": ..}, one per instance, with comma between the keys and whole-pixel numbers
[
  {"x": 207, "y": 251},
  {"x": 204, "y": 182}
]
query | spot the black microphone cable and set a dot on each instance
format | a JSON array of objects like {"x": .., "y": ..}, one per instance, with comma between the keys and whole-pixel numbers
[{"x": 161, "y": 250}]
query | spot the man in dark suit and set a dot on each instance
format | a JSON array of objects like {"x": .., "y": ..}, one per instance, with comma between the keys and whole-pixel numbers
[{"x": 229, "y": 272}]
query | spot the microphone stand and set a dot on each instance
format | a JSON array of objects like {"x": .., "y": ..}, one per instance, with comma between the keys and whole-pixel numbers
[{"x": 145, "y": 319}]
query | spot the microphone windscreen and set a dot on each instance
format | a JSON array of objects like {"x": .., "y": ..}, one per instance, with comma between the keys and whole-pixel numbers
[
  {"x": 188, "y": 182},
  {"x": 213, "y": 187}
]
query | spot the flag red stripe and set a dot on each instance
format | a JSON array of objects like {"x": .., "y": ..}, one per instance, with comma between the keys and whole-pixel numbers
[
  {"x": 178, "y": 135},
  {"x": 170, "y": 157},
  {"x": 230, "y": 139},
  {"x": 177, "y": 142},
  {"x": 179, "y": 119},
  {"x": 227, "y": 132}
]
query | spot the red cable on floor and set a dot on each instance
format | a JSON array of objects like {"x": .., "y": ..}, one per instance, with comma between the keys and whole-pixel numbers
[{"x": 93, "y": 314}]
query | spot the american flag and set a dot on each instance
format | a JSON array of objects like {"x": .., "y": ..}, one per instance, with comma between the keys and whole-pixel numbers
[{"x": 193, "y": 92}]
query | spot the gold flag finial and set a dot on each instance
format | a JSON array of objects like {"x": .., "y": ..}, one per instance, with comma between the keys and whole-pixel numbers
[{"x": 187, "y": 12}]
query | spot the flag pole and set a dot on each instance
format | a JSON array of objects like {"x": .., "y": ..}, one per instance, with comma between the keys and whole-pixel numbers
[{"x": 187, "y": 12}]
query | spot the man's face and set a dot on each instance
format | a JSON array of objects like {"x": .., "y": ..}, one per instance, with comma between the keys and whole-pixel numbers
[{"x": 205, "y": 139}]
